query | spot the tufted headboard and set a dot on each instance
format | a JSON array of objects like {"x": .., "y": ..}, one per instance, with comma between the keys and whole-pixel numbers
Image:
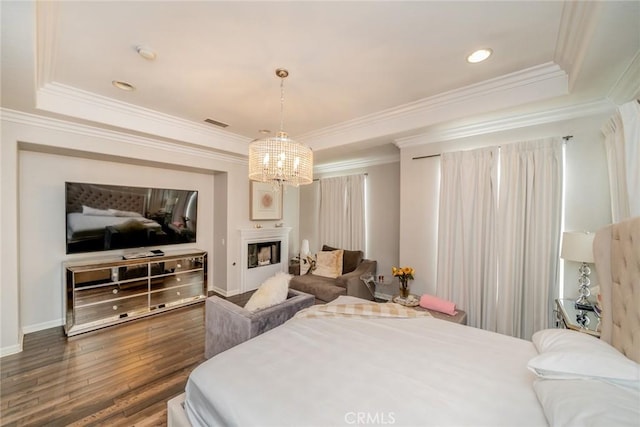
[
  {"x": 617, "y": 255},
  {"x": 100, "y": 197}
]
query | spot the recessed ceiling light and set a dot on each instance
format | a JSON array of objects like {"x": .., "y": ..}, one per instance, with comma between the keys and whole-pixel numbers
[
  {"x": 146, "y": 52},
  {"x": 123, "y": 85},
  {"x": 479, "y": 55},
  {"x": 264, "y": 131}
]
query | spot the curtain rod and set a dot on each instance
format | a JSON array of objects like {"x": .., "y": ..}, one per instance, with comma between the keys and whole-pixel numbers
[
  {"x": 566, "y": 138},
  {"x": 365, "y": 174}
]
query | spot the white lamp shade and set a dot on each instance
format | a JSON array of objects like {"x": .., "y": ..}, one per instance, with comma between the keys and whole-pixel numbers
[
  {"x": 304, "y": 248},
  {"x": 577, "y": 246}
]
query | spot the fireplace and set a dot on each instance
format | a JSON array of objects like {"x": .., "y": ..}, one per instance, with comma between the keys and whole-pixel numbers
[{"x": 263, "y": 253}]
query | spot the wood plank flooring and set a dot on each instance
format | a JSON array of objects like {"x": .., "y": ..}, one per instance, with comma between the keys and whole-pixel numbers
[{"x": 117, "y": 376}]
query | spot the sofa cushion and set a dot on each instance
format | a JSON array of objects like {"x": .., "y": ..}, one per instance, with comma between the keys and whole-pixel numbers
[
  {"x": 350, "y": 259},
  {"x": 328, "y": 264},
  {"x": 273, "y": 291},
  {"x": 324, "y": 288}
]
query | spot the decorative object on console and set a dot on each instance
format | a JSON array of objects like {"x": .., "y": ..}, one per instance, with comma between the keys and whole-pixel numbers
[
  {"x": 403, "y": 274},
  {"x": 279, "y": 160},
  {"x": 265, "y": 202},
  {"x": 578, "y": 246}
]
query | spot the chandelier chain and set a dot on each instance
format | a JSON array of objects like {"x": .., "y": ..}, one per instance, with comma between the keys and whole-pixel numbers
[{"x": 281, "y": 104}]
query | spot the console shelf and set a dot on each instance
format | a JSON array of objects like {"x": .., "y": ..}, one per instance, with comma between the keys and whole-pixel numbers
[{"x": 108, "y": 291}]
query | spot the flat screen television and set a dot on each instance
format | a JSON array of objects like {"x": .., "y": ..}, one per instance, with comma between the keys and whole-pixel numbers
[{"x": 107, "y": 217}]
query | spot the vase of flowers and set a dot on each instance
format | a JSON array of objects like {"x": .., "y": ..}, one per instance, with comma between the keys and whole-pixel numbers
[{"x": 404, "y": 274}]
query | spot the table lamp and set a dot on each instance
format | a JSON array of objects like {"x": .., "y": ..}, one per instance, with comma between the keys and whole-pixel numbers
[{"x": 578, "y": 246}]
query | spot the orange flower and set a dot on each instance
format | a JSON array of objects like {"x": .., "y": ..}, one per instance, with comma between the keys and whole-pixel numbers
[{"x": 403, "y": 273}]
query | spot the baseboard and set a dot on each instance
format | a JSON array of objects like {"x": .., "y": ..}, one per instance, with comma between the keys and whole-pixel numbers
[
  {"x": 41, "y": 326},
  {"x": 225, "y": 293},
  {"x": 12, "y": 349}
]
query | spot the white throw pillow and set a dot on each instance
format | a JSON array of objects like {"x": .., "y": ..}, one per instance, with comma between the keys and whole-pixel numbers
[
  {"x": 273, "y": 291},
  {"x": 567, "y": 354},
  {"x": 329, "y": 263}
]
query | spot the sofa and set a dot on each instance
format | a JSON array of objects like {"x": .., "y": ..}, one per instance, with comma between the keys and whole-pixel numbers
[
  {"x": 228, "y": 324},
  {"x": 326, "y": 289}
]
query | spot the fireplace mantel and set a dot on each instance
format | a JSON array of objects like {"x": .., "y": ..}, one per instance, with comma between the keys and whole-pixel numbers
[{"x": 251, "y": 279}]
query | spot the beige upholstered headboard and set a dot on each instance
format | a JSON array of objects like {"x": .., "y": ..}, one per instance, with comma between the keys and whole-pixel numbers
[{"x": 617, "y": 256}]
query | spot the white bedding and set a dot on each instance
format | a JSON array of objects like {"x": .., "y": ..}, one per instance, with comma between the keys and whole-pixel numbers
[{"x": 336, "y": 371}]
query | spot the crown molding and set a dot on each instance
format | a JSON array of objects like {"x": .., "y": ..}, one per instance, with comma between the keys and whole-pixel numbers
[
  {"x": 579, "y": 20},
  {"x": 626, "y": 88},
  {"x": 355, "y": 164},
  {"x": 528, "y": 85},
  {"x": 73, "y": 102},
  {"x": 508, "y": 123},
  {"x": 49, "y": 123}
]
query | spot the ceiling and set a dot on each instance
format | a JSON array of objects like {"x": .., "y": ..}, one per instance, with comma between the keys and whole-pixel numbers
[{"x": 363, "y": 75}]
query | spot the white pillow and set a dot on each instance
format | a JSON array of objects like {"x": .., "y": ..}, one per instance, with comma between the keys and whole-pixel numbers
[
  {"x": 567, "y": 354},
  {"x": 116, "y": 212},
  {"x": 88, "y": 210},
  {"x": 587, "y": 403},
  {"x": 329, "y": 263},
  {"x": 273, "y": 291}
]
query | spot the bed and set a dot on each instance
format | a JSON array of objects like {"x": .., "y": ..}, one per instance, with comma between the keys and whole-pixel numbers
[{"x": 336, "y": 370}]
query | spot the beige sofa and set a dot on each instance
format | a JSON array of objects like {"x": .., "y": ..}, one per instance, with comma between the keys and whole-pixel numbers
[{"x": 327, "y": 289}]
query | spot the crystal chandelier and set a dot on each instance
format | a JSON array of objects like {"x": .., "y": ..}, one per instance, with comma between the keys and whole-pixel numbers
[{"x": 279, "y": 159}]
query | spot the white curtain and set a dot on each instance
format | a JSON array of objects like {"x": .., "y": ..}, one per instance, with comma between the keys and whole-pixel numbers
[
  {"x": 528, "y": 230},
  {"x": 342, "y": 212},
  {"x": 498, "y": 238},
  {"x": 466, "y": 233},
  {"x": 622, "y": 144}
]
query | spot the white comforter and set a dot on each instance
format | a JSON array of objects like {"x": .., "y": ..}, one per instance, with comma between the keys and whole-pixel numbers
[{"x": 336, "y": 371}]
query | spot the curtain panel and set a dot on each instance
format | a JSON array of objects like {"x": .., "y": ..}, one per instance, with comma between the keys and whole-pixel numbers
[
  {"x": 466, "y": 270},
  {"x": 529, "y": 224},
  {"x": 342, "y": 212},
  {"x": 622, "y": 144}
]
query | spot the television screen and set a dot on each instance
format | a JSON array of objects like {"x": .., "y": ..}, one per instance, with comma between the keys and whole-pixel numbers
[{"x": 107, "y": 217}]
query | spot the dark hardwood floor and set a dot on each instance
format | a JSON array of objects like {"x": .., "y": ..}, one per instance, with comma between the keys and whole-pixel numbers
[{"x": 117, "y": 376}]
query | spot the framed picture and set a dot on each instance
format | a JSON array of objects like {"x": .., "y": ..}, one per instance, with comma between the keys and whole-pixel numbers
[{"x": 265, "y": 203}]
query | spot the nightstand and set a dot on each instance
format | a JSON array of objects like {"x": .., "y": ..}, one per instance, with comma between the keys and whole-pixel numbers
[{"x": 579, "y": 320}]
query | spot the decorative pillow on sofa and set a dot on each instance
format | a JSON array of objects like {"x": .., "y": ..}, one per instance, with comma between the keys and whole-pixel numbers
[
  {"x": 329, "y": 264},
  {"x": 273, "y": 291},
  {"x": 350, "y": 259},
  {"x": 307, "y": 265}
]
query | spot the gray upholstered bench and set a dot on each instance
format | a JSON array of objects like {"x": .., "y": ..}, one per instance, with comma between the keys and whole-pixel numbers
[{"x": 228, "y": 324}]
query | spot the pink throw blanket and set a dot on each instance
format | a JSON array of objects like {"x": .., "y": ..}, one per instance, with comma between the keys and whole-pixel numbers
[{"x": 431, "y": 302}]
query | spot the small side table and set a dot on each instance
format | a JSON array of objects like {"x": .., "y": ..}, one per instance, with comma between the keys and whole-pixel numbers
[{"x": 579, "y": 320}]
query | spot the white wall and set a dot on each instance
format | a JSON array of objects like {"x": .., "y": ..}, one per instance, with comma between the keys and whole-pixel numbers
[
  {"x": 586, "y": 198},
  {"x": 38, "y": 154}
]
